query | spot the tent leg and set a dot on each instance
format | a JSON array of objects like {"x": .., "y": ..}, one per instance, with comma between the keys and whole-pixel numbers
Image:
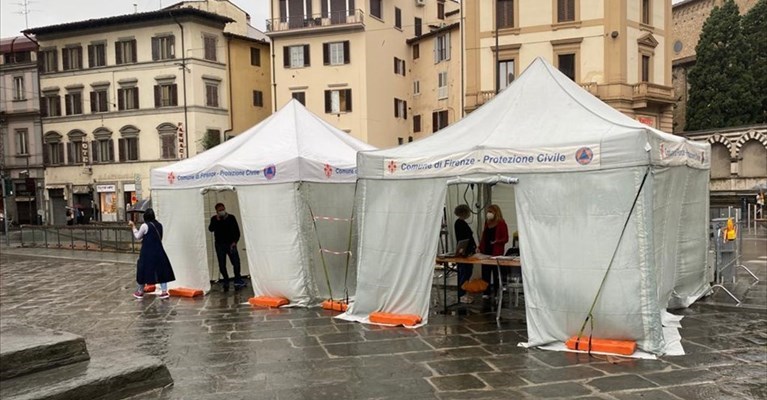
[{"x": 500, "y": 296}]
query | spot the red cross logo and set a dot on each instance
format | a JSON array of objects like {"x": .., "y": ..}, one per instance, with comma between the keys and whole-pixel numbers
[
  {"x": 392, "y": 167},
  {"x": 171, "y": 177},
  {"x": 328, "y": 170}
]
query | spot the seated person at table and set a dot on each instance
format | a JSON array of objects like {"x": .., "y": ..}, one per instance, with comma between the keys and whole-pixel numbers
[
  {"x": 495, "y": 235},
  {"x": 463, "y": 232}
]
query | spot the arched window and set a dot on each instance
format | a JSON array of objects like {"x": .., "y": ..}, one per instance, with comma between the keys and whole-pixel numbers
[
  {"x": 167, "y": 132},
  {"x": 753, "y": 162},
  {"x": 128, "y": 143},
  {"x": 77, "y": 148},
  {"x": 53, "y": 152},
  {"x": 103, "y": 146},
  {"x": 720, "y": 161}
]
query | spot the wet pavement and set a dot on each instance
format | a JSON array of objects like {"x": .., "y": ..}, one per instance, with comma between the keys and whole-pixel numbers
[{"x": 218, "y": 346}]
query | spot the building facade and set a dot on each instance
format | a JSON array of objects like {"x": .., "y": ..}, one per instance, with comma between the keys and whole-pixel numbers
[
  {"x": 21, "y": 147},
  {"x": 688, "y": 17},
  {"x": 617, "y": 50},
  {"x": 125, "y": 94}
]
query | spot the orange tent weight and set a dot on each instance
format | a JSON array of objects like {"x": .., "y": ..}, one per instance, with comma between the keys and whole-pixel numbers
[
  {"x": 394, "y": 319},
  {"x": 185, "y": 292},
  {"x": 266, "y": 301},
  {"x": 335, "y": 305},
  {"x": 622, "y": 347}
]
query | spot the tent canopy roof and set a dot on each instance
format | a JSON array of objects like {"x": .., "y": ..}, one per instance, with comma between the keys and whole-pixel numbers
[
  {"x": 291, "y": 145},
  {"x": 541, "y": 112}
]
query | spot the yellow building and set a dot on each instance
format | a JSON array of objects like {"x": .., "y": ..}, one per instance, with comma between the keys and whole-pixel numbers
[
  {"x": 249, "y": 80},
  {"x": 617, "y": 50}
]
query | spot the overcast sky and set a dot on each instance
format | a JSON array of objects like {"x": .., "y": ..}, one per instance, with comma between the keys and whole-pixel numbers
[{"x": 52, "y": 12}]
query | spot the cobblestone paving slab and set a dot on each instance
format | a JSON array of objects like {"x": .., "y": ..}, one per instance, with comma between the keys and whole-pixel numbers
[{"x": 218, "y": 346}]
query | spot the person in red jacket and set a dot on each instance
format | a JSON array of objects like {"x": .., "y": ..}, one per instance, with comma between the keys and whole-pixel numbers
[{"x": 495, "y": 235}]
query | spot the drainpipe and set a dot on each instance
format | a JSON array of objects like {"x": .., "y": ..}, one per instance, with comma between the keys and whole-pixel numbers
[
  {"x": 274, "y": 75},
  {"x": 229, "y": 71},
  {"x": 43, "y": 205},
  {"x": 495, "y": 67},
  {"x": 183, "y": 74}
]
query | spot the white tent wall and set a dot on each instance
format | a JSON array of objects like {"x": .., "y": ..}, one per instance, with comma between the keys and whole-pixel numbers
[
  {"x": 569, "y": 224},
  {"x": 400, "y": 224},
  {"x": 276, "y": 254},
  {"x": 332, "y": 204},
  {"x": 184, "y": 236}
]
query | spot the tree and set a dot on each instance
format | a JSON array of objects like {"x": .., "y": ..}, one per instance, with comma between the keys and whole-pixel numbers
[
  {"x": 755, "y": 32},
  {"x": 723, "y": 92}
]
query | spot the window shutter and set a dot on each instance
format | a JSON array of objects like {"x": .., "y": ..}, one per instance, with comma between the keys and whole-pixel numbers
[
  {"x": 348, "y": 100},
  {"x": 347, "y": 55},
  {"x": 60, "y": 149},
  {"x": 133, "y": 148},
  {"x": 351, "y": 7},
  {"x": 121, "y": 145},
  {"x": 118, "y": 53},
  {"x": 324, "y": 9},
  {"x": 306, "y": 56},
  {"x": 436, "y": 50},
  {"x": 46, "y": 153},
  {"x": 65, "y": 58},
  {"x": 104, "y": 106},
  {"x": 44, "y": 106},
  {"x": 325, "y": 53},
  {"x": 395, "y": 65},
  {"x": 328, "y": 108},
  {"x": 79, "y": 53},
  {"x": 404, "y": 109},
  {"x": 94, "y": 104},
  {"x": 68, "y": 103},
  {"x": 90, "y": 55},
  {"x": 70, "y": 156},
  {"x": 135, "y": 98},
  {"x": 155, "y": 48},
  {"x": 157, "y": 96},
  {"x": 120, "y": 99},
  {"x": 174, "y": 95},
  {"x": 134, "y": 51},
  {"x": 447, "y": 46},
  {"x": 95, "y": 151},
  {"x": 396, "y": 109},
  {"x": 111, "y": 150},
  {"x": 308, "y": 7},
  {"x": 57, "y": 104},
  {"x": 286, "y": 56},
  {"x": 434, "y": 127},
  {"x": 404, "y": 69}
]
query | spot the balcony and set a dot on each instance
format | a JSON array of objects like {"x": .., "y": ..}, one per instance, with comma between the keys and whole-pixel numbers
[
  {"x": 298, "y": 24},
  {"x": 653, "y": 93}
]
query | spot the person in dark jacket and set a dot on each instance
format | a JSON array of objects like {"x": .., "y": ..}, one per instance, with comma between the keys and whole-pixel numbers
[
  {"x": 226, "y": 234},
  {"x": 495, "y": 235},
  {"x": 463, "y": 232},
  {"x": 153, "y": 263}
]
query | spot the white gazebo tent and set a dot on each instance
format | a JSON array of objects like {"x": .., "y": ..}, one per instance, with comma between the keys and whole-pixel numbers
[
  {"x": 286, "y": 169},
  {"x": 579, "y": 165}
]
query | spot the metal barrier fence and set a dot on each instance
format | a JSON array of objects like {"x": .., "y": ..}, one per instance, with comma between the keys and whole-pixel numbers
[{"x": 79, "y": 237}]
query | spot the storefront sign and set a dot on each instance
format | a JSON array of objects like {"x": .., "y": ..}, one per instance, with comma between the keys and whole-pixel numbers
[
  {"x": 81, "y": 189},
  {"x": 181, "y": 141},
  {"x": 129, "y": 187},
  {"x": 649, "y": 121},
  {"x": 105, "y": 188},
  {"x": 84, "y": 152}
]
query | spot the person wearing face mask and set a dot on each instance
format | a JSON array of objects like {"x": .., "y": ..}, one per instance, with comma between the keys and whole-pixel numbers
[
  {"x": 495, "y": 235},
  {"x": 226, "y": 233},
  {"x": 463, "y": 232}
]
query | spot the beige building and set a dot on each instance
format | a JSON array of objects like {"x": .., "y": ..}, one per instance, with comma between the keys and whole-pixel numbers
[
  {"x": 122, "y": 95},
  {"x": 21, "y": 147},
  {"x": 617, "y": 50},
  {"x": 687, "y": 22}
]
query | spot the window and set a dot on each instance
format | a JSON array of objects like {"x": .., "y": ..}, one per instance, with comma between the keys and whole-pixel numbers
[
  {"x": 376, "y": 8},
  {"x": 97, "y": 55},
  {"x": 168, "y": 140},
  {"x": 300, "y": 96},
  {"x": 49, "y": 61},
  {"x": 210, "y": 47},
  {"x": 338, "y": 101},
  {"x": 99, "y": 101},
  {"x": 645, "y": 68},
  {"x": 441, "y": 48},
  {"x": 18, "y": 57},
  {"x": 418, "y": 26},
  {"x": 211, "y": 94},
  {"x": 77, "y": 148},
  {"x": 212, "y": 138},
  {"x": 440, "y": 9},
  {"x": 53, "y": 149},
  {"x": 255, "y": 56},
  {"x": 258, "y": 98},
  {"x": 416, "y": 123},
  {"x": 72, "y": 58},
  {"x": 125, "y": 51},
  {"x": 22, "y": 142},
  {"x": 438, "y": 120},
  {"x": 103, "y": 149},
  {"x": 74, "y": 103},
  {"x": 165, "y": 95},
  {"x": 646, "y": 12},
  {"x": 400, "y": 108},
  {"x": 163, "y": 47},
  {"x": 296, "y": 56},
  {"x": 565, "y": 10},
  {"x": 127, "y": 98},
  {"x": 416, "y": 88},
  {"x": 397, "y": 18},
  {"x": 416, "y": 51},
  {"x": 442, "y": 85},
  {"x": 18, "y": 88},
  {"x": 504, "y": 13},
  {"x": 566, "y": 64},
  {"x": 128, "y": 143},
  {"x": 505, "y": 73},
  {"x": 336, "y": 53},
  {"x": 50, "y": 106},
  {"x": 399, "y": 66}
]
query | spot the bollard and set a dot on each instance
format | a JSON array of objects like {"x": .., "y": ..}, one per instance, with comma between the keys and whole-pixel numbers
[
  {"x": 45, "y": 236},
  {"x": 58, "y": 237},
  {"x": 21, "y": 232}
]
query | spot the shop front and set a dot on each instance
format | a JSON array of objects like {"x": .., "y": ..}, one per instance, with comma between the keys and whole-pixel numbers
[
  {"x": 107, "y": 202},
  {"x": 129, "y": 198},
  {"x": 82, "y": 199}
]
